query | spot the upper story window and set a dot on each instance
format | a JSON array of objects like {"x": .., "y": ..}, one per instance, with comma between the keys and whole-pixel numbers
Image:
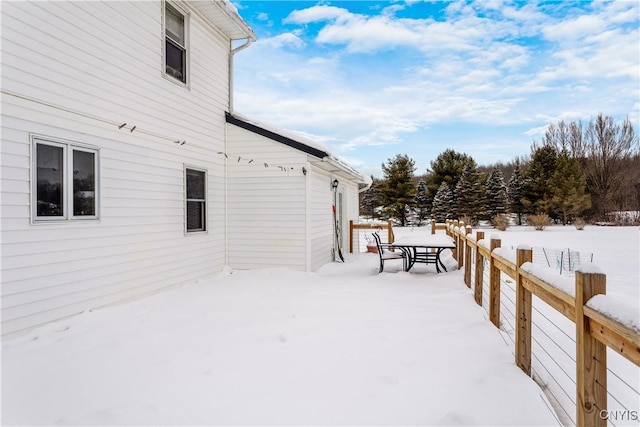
[
  {"x": 65, "y": 181},
  {"x": 175, "y": 51}
]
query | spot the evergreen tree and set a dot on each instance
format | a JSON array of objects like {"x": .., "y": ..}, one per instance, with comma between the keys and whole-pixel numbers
[
  {"x": 497, "y": 198},
  {"x": 447, "y": 167},
  {"x": 443, "y": 206},
  {"x": 469, "y": 193},
  {"x": 370, "y": 200},
  {"x": 516, "y": 192},
  {"x": 421, "y": 202},
  {"x": 397, "y": 190},
  {"x": 537, "y": 194},
  {"x": 568, "y": 183}
]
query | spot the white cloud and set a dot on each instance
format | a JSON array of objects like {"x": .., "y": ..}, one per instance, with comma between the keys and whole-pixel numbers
[
  {"x": 283, "y": 40},
  {"x": 575, "y": 29},
  {"x": 607, "y": 55},
  {"x": 538, "y": 131},
  {"x": 316, "y": 14}
]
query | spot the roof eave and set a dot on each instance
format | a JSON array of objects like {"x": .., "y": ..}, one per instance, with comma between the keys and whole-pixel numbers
[
  {"x": 320, "y": 154},
  {"x": 229, "y": 21}
]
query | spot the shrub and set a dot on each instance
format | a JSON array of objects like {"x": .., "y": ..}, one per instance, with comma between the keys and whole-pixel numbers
[
  {"x": 500, "y": 221},
  {"x": 468, "y": 220},
  {"x": 579, "y": 223},
  {"x": 539, "y": 221},
  {"x": 625, "y": 218}
]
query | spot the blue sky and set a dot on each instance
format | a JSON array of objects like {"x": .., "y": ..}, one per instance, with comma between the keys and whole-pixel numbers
[{"x": 372, "y": 79}]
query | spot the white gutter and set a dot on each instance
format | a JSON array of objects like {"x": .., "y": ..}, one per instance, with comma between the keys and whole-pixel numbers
[
  {"x": 232, "y": 54},
  {"x": 363, "y": 189},
  {"x": 341, "y": 167}
]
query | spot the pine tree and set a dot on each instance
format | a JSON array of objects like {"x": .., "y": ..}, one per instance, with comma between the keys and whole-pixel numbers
[
  {"x": 447, "y": 167},
  {"x": 370, "y": 200},
  {"x": 568, "y": 185},
  {"x": 443, "y": 207},
  {"x": 421, "y": 202},
  {"x": 397, "y": 190},
  {"x": 469, "y": 194},
  {"x": 497, "y": 198},
  {"x": 537, "y": 193},
  {"x": 516, "y": 192}
]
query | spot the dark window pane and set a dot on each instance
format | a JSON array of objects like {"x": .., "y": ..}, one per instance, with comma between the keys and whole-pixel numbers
[
  {"x": 195, "y": 184},
  {"x": 49, "y": 180},
  {"x": 84, "y": 183},
  {"x": 175, "y": 57},
  {"x": 195, "y": 216}
]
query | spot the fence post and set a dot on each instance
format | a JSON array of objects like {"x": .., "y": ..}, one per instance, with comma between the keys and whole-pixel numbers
[
  {"x": 433, "y": 226},
  {"x": 351, "y": 237},
  {"x": 591, "y": 355},
  {"x": 494, "y": 285},
  {"x": 523, "y": 314},
  {"x": 455, "y": 224},
  {"x": 390, "y": 236},
  {"x": 461, "y": 242},
  {"x": 467, "y": 258},
  {"x": 479, "y": 270}
]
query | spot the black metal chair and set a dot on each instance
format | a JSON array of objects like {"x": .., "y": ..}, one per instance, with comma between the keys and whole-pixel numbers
[{"x": 385, "y": 254}]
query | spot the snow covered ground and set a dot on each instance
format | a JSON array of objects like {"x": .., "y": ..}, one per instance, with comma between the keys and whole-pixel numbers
[{"x": 343, "y": 346}]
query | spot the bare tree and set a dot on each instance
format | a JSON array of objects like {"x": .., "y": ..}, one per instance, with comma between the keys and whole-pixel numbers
[
  {"x": 608, "y": 155},
  {"x": 609, "y": 148}
]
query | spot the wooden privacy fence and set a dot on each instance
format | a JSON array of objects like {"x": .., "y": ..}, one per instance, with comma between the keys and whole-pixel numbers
[
  {"x": 370, "y": 226},
  {"x": 594, "y": 330}
]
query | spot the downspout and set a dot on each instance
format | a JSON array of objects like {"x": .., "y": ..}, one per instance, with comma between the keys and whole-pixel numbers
[
  {"x": 365, "y": 188},
  {"x": 226, "y": 197},
  {"x": 233, "y": 52}
]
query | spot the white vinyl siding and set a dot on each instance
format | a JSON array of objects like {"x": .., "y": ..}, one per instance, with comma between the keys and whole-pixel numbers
[
  {"x": 281, "y": 217},
  {"x": 78, "y": 77},
  {"x": 266, "y": 205},
  {"x": 37, "y": 34},
  {"x": 322, "y": 228}
]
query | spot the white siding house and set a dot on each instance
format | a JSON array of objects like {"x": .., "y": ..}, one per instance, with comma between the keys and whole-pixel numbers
[
  {"x": 112, "y": 115},
  {"x": 115, "y": 173},
  {"x": 280, "y": 198}
]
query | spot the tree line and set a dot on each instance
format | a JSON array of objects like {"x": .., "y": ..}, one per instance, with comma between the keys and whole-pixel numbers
[{"x": 576, "y": 170}]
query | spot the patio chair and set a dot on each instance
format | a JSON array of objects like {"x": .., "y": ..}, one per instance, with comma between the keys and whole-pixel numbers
[{"x": 385, "y": 254}]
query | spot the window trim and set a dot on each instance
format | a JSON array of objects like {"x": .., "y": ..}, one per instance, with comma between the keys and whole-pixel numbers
[
  {"x": 205, "y": 213},
  {"x": 68, "y": 148},
  {"x": 187, "y": 68}
]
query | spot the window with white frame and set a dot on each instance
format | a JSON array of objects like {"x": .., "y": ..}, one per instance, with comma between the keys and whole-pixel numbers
[
  {"x": 65, "y": 181},
  {"x": 196, "y": 200},
  {"x": 175, "y": 50}
]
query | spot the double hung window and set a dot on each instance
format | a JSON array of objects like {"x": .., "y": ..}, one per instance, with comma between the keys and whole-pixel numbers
[
  {"x": 65, "y": 181},
  {"x": 196, "y": 200},
  {"x": 175, "y": 51}
]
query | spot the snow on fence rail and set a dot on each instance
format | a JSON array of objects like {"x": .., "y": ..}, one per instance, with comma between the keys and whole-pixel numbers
[{"x": 598, "y": 322}]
